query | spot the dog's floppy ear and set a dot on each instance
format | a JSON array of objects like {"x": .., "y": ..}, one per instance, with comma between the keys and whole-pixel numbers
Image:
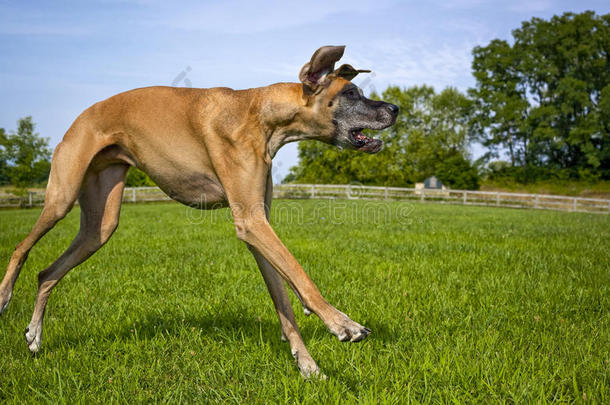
[
  {"x": 322, "y": 63},
  {"x": 348, "y": 72}
]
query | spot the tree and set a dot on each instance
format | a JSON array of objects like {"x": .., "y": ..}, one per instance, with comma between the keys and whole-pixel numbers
[
  {"x": 137, "y": 178},
  {"x": 500, "y": 100},
  {"x": 24, "y": 156},
  {"x": 431, "y": 133},
  {"x": 545, "y": 98},
  {"x": 438, "y": 130},
  {"x": 4, "y": 179}
]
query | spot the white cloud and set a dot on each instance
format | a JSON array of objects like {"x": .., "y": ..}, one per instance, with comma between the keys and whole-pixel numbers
[{"x": 414, "y": 63}]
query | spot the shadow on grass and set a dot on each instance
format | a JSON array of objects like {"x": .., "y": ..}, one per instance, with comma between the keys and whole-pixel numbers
[
  {"x": 237, "y": 323},
  {"x": 380, "y": 331},
  {"x": 229, "y": 324}
]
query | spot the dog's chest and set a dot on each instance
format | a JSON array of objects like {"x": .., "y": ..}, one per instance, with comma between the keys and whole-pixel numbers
[{"x": 195, "y": 190}]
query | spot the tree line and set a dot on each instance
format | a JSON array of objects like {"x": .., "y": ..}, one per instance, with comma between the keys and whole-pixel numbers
[
  {"x": 25, "y": 159},
  {"x": 539, "y": 110},
  {"x": 25, "y": 156}
]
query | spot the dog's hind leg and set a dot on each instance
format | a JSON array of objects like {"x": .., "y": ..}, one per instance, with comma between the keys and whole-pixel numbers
[
  {"x": 275, "y": 285},
  {"x": 70, "y": 161},
  {"x": 100, "y": 203}
]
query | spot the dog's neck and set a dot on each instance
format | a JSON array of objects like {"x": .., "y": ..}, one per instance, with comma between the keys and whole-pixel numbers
[{"x": 290, "y": 117}]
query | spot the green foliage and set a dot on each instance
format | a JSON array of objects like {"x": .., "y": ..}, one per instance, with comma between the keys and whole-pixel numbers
[
  {"x": 4, "y": 178},
  {"x": 576, "y": 188},
  {"x": 532, "y": 174},
  {"x": 137, "y": 178},
  {"x": 25, "y": 157},
  {"x": 468, "y": 305},
  {"x": 458, "y": 172},
  {"x": 430, "y": 137},
  {"x": 545, "y": 99}
]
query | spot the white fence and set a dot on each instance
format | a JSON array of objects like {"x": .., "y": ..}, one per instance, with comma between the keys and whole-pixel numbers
[
  {"x": 466, "y": 197},
  {"x": 341, "y": 191}
]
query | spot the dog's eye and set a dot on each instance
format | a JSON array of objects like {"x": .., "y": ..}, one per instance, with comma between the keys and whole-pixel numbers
[{"x": 352, "y": 94}]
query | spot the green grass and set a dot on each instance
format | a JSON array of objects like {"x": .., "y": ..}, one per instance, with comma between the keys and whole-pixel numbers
[
  {"x": 574, "y": 188},
  {"x": 466, "y": 304}
]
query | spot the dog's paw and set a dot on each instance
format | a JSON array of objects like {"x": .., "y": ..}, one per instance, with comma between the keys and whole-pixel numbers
[
  {"x": 33, "y": 338},
  {"x": 307, "y": 366},
  {"x": 5, "y": 298},
  {"x": 347, "y": 330},
  {"x": 315, "y": 375}
]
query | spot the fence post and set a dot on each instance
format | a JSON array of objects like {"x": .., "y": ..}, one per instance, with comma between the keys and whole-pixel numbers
[
  {"x": 348, "y": 191},
  {"x": 498, "y": 198},
  {"x": 574, "y": 204},
  {"x": 536, "y": 201},
  {"x": 30, "y": 199},
  {"x": 313, "y": 190},
  {"x": 423, "y": 195},
  {"x": 465, "y": 196},
  {"x": 133, "y": 194},
  {"x": 386, "y": 195}
]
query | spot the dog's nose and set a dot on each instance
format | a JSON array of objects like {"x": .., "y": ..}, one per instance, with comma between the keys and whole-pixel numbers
[{"x": 393, "y": 108}]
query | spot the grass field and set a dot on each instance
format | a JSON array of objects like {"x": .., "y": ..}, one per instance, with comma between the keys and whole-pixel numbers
[
  {"x": 466, "y": 304},
  {"x": 597, "y": 189}
]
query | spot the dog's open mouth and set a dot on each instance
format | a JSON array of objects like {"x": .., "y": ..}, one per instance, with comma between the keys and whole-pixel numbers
[{"x": 363, "y": 142}]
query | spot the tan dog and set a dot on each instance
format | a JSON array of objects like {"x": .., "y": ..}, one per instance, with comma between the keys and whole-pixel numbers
[{"x": 205, "y": 148}]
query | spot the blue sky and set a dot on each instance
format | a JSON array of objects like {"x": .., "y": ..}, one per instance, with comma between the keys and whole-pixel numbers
[{"x": 59, "y": 57}]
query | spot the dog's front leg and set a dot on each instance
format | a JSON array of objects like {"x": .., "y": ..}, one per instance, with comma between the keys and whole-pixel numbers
[
  {"x": 275, "y": 285},
  {"x": 248, "y": 208},
  {"x": 290, "y": 330},
  {"x": 255, "y": 230}
]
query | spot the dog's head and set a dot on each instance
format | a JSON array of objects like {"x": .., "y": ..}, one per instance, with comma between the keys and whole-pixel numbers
[{"x": 332, "y": 94}]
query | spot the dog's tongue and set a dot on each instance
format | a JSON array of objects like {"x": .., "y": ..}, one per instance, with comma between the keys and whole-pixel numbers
[
  {"x": 369, "y": 145},
  {"x": 359, "y": 136},
  {"x": 366, "y": 144}
]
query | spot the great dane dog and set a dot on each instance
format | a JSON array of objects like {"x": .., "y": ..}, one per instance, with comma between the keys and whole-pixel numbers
[{"x": 205, "y": 148}]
